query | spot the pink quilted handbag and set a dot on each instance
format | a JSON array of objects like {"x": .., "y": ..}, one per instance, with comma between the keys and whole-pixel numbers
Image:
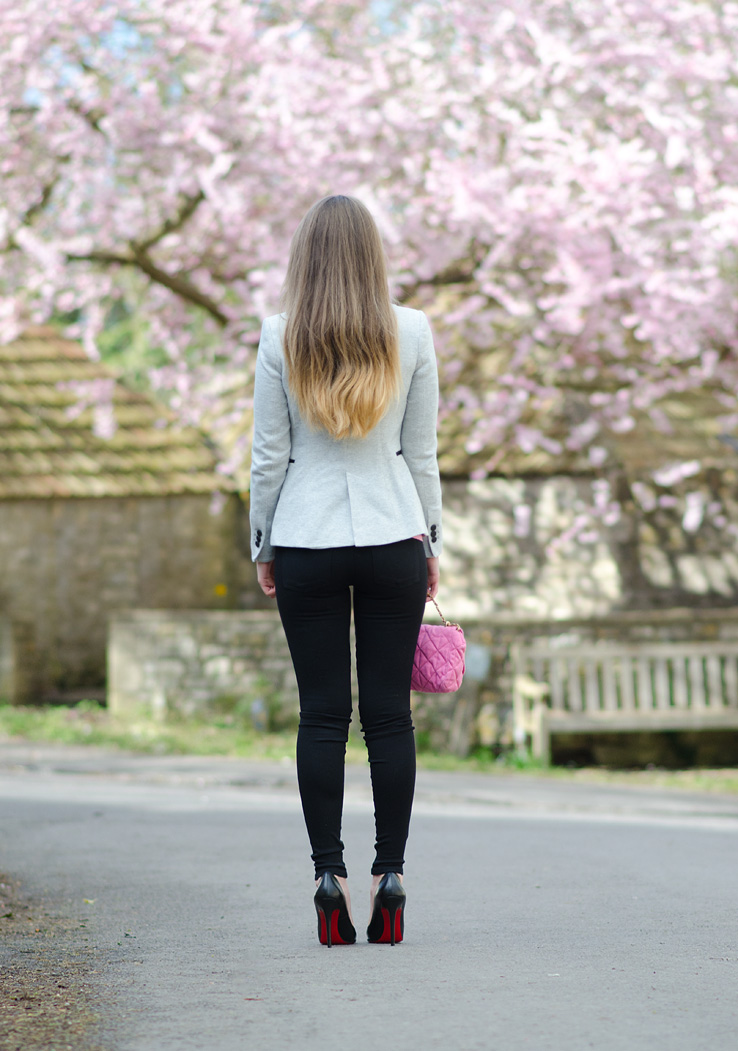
[{"x": 438, "y": 666}]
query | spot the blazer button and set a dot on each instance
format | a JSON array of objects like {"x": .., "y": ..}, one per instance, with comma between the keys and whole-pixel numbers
[{"x": 258, "y": 541}]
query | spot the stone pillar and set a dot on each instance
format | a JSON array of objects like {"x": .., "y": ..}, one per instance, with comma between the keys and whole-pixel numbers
[{"x": 7, "y": 662}]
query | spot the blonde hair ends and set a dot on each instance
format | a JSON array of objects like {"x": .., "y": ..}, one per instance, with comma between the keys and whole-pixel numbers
[{"x": 340, "y": 343}]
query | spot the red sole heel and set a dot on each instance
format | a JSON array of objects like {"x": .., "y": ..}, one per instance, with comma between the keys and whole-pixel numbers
[
  {"x": 399, "y": 927},
  {"x": 334, "y": 926},
  {"x": 323, "y": 929},
  {"x": 388, "y": 936},
  {"x": 335, "y": 936},
  {"x": 387, "y": 925}
]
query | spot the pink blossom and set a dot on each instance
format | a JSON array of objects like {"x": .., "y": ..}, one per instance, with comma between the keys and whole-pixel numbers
[{"x": 557, "y": 185}]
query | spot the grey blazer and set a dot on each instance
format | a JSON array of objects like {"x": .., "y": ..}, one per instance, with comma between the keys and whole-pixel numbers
[{"x": 311, "y": 490}]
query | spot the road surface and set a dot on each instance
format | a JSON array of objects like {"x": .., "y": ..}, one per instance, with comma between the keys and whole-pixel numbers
[{"x": 540, "y": 914}]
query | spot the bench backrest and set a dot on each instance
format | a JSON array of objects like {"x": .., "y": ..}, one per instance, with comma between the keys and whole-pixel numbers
[{"x": 634, "y": 677}]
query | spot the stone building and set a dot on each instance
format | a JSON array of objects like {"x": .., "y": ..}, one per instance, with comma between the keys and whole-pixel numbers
[
  {"x": 550, "y": 535},
  {"x": 538, "y": 550},
  {"x": 105, "y": 506},
  {"x": 639, "y": 546},
  {"x": 108, "y": 520}
]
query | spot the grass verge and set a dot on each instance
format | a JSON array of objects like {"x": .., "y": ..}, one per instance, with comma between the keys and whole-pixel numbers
[{"x": 88, "y": 723}]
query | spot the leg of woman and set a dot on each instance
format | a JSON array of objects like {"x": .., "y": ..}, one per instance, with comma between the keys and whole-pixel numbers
[
  {"x": 389, "y": 598},
  {"x": 315, "y": 606}
]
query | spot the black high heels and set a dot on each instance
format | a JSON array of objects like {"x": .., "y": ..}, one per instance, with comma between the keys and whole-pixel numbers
[
  {"x": 334, "y": 924},
  {"x": 388, "y": 915}
]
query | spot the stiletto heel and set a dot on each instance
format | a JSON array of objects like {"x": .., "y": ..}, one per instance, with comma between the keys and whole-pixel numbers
[
  {"x": 334, "y": 925},
  {"x": 388, "y": 915}
]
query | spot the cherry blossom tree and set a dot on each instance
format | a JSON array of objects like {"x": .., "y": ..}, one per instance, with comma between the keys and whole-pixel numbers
[{"x": 556, "y": 181}]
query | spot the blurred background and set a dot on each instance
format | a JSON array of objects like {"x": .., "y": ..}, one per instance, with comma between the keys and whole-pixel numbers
[{"x": 557, "y": 185}]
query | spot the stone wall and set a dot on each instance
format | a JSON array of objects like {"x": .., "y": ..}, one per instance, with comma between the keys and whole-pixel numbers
[
  {"x": 513, "y": 549},
  {"x": 67, "y": 565},
  {"x": 196, "y": 662},
  {"x": 528, "y": 548},
  {"x": 168, "y": 662}
]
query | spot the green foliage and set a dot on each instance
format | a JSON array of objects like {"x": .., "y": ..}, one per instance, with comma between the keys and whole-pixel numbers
[
  {"x": 518, "y": 761},
  {"x": 125, "y": 344},
  {"x": 90, "y": 723},
  {"x": 259, "y": 709},
  {"x": 222, "y": 734}
]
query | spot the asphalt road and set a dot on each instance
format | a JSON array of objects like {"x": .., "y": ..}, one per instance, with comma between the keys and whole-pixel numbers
[{"x": 540, "y": 915}]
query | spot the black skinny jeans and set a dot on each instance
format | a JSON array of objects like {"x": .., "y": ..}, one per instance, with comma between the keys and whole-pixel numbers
[{"x": 389, "y": 584}]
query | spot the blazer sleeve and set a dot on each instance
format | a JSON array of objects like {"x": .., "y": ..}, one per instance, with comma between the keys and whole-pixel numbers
[
  {"x": 270, "y": 450},
  {"x": 419, "y": 442}
]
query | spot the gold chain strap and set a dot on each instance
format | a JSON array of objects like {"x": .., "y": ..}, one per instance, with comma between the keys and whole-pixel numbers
[{"x": 446, "y": 623}]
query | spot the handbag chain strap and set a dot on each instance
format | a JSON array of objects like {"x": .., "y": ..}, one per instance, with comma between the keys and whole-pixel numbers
[{"x": 446, "y": 623}]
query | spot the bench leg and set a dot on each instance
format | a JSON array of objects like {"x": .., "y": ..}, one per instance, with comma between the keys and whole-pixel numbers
[{"x": 541, "y": 735}]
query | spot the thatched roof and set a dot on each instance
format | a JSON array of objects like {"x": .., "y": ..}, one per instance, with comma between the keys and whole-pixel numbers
[{"x": 48, "y": 448}]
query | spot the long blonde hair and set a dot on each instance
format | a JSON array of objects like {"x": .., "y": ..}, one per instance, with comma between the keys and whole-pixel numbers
[{"x": 340, "y": 342}]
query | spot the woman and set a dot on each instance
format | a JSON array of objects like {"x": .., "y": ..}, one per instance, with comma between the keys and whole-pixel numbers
[{"x": 346, "y": 500}]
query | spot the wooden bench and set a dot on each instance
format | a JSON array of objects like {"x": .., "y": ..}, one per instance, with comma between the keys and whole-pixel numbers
[{"x": 607, "y": 687}]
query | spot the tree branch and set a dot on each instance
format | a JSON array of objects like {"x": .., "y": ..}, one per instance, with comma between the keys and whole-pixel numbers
[
  {"x": 41, "y": 203},
  {"x": 460, "y": 273},
  {"x": 11, "y": 245},
  {"x": 180, "y": 284},
  {"x": 139, "y": 257},
  {"x": 452, "y": 275},
  {"x": 91, "y": 117},
  {"x": 187, "y": 210}
]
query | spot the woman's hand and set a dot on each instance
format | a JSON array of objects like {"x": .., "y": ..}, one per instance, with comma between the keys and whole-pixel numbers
[
  {"x": 433, "y": 577},
  {"x": 265, "y": 576}
]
